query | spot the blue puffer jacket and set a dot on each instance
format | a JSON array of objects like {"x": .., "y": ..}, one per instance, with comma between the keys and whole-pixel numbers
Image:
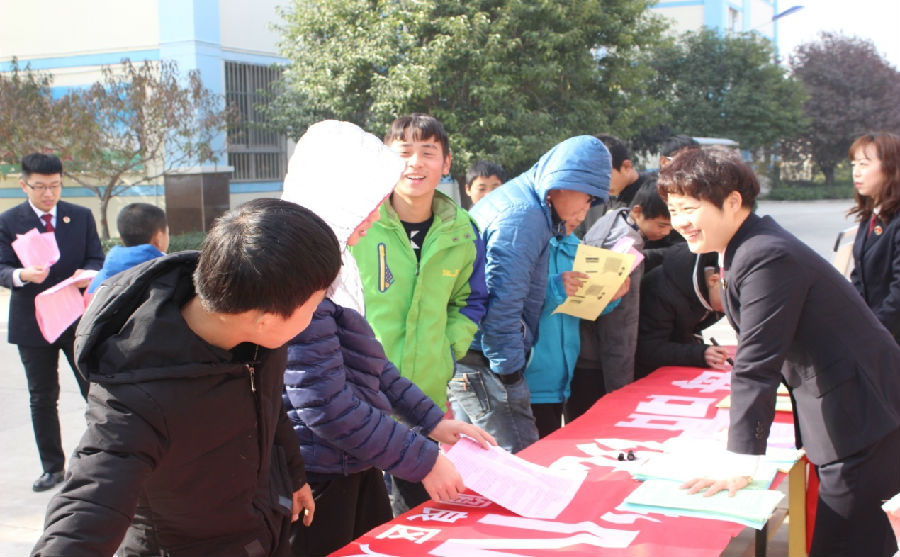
[
  {"x": 516, "y": 226},
  {"x": 340, "y": 390},
  {"x": 121, "y": 258}
]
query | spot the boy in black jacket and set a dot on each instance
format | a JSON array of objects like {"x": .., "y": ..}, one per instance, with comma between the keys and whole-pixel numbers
[
  {"x": 679, "y": 299},
  {"x": 187, "y": 449}
]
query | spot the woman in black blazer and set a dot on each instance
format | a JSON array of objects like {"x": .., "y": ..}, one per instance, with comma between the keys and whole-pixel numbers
[
  {"x": 801, "y": 323},
  {"x": 876, "y": 250}
]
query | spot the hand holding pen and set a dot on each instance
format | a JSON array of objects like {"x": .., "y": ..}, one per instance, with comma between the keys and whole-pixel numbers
[{"x": 716, "y": 355}]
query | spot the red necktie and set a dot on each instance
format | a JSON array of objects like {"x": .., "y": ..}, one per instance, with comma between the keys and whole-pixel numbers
[
  {"x": 871, "y": 225},
  {"x": 48, "y": 222}
]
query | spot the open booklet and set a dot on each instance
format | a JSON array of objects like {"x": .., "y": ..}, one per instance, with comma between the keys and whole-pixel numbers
[
  {"x": 607, "y": 270},
  {"x": 523, "y": 487}
]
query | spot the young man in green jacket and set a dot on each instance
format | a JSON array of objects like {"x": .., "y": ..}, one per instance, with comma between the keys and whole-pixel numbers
[{"x": 422, "y": 268}]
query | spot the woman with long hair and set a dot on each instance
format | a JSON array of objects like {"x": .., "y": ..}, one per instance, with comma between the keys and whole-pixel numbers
[{"x": 876, "y": 251}]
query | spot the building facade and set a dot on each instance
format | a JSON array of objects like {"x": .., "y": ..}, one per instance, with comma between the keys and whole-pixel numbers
[
  {"x": 726, "y": 16},
  {"x": 232, "y": 43}
]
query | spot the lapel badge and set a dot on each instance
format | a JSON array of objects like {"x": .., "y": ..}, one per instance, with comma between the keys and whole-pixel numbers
[
  {"x": 67, "y": 220},
  {"x": 878, "y": 230}
]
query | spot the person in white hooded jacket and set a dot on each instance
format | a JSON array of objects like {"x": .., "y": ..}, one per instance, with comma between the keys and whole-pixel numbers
[{"x": 340, "y": 388}]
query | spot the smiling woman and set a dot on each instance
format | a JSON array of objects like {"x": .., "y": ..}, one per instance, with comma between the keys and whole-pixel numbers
[{"x": 800, "y": 323}]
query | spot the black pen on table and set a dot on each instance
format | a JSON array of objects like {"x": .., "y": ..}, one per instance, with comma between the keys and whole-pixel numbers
[{"x": 714, "y": 343}]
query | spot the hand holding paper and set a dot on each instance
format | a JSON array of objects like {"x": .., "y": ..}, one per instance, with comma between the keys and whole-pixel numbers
[
  {"x": 443, "y": 483},
  {"x": 449, "y": 432},
  {"x": 35, "y": 274},
  {"x": 523, "y": 487},
  {"x": 606, "y": 271}
]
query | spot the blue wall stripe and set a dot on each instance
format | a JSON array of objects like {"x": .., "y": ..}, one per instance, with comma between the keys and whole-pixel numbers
[
  {"x": 679, "y": 4},
  {"x": 78, "y": 60},
  {"x": 255, "y": 187},
  {"x": 152, "y": 190}
]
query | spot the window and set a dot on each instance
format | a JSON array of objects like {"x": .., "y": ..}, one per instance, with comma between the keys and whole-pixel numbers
[
  {"x": 255, "y": 154},
  {"x": 734, "y": 20}
]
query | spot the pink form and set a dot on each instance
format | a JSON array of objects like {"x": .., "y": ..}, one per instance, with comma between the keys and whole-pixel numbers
[
  {"x": 58, "y": 307},
  {"x": 523, "y": 487},
  {"x": 36, "y": 248}
]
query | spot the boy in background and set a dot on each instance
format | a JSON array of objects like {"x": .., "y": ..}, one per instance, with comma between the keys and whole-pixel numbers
[
  {"x": 679, "y": 299},
  {"x": 608, "y": 344},
  {"x": 144, "y": 232},
  {"x": 623, "y": 176},
  {"x": 187, "y": 449},
  {"x": 422, "y": 270},
  {"x": 482, "y": 178}
]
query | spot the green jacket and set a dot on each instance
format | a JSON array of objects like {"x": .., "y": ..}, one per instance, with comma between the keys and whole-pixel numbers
[{"x": 424, "y": 313}]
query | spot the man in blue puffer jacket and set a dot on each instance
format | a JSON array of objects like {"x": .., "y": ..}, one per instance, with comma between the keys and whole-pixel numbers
[
  {"x": 517, "y": 221},
  {"x": 340, "y": 388}
]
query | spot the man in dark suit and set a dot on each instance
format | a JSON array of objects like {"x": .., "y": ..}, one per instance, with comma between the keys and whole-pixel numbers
[
  {"x": 798, "y": 322},
  {"x": 80, "y": 250}
]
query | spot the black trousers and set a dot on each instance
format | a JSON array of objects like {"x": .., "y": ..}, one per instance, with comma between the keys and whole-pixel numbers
[
  {"x": 547, "y": 417},
  {"x": 42, "y": 372},
  {"x": 849, "y": 519},
  {"x": 587, "y": 387},
  {"x": 346, "y": 508}
]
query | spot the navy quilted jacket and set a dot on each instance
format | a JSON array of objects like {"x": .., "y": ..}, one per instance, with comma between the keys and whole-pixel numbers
[{"x": 340, "y": 392}]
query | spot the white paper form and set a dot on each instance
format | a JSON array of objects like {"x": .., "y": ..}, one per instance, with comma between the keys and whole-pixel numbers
[{"x": 523, "y": 487}]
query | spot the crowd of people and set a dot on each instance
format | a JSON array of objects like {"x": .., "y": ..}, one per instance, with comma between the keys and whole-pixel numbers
[{"x": 285, "y": 389}]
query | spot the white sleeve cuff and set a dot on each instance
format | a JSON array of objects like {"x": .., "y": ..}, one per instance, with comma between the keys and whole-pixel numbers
[
  {"x": 740, "y": 464},
  {"x": 17, "y": 279}
]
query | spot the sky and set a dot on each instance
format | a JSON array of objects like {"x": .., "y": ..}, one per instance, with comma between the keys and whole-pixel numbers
[{"x": 876, "y": 20}]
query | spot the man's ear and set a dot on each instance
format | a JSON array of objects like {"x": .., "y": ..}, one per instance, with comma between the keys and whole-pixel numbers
[
  {"x": 447, "y": 160},
  {"x": 626, "y": 166},
  {"x": 156, "y": 240},
  {"x": 636, "y": 211},
  {"x": 734, "y": 200}
]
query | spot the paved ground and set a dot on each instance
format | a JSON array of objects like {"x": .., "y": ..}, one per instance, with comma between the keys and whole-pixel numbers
[{"x": 22, "y": 511}]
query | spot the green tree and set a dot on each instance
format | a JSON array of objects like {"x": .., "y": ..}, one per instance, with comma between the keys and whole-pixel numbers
[
  {"x": 30, "y": 119},
  {"x": 132, "y": 127},
  {"x": 726, "y": 86},
  {"x": 852, "y": 90},
  {"x": 508, "y": 78}
]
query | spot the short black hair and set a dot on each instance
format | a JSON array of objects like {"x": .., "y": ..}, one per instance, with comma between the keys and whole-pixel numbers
[
  {"x": 418, "y": 127},
  {"x": 672, "y": 145},
  {"x": 138, "y": 222},
  {"x": 484, "y": 169},
  {"x": 651, "y": 204},
  {"x": 39, "y": 163},
  {"x": 268, "y": 255},
  {"x": 709, "y": 174},
  {"x": 617, "y": 148}
]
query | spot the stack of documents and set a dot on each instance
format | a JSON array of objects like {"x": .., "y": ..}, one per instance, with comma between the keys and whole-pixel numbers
[
  {"x": 682, "y": 467},
  {"x": 750, "y": 507}
]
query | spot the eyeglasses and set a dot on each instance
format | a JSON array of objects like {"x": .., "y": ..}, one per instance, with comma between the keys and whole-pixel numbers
[{"x": 42, "y": 188}]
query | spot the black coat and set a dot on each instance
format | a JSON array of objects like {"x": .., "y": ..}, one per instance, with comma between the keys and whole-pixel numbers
[
  {"x": 876, "y": 274},
  {"x": 79, "y": 248},
  {"x": 185, "y": 453},
  {"x": 673, "y": 313},
  {"x": 800, "y": 321}
]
